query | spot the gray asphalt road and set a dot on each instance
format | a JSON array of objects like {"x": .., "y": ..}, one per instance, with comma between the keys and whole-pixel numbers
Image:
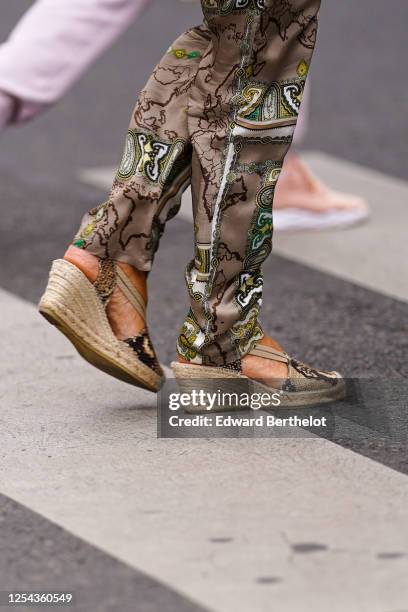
[
  {"x": 358, "y": 95},
  {"x": 38, "y": 556}
]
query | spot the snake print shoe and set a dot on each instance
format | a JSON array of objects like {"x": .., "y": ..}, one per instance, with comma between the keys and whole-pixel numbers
[
  {"x": 304, "y": 386},
  {"x": 78, "y": 309}
]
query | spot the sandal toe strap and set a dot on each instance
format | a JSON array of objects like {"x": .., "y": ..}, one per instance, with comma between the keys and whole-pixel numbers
[
  {"x": 131, "y": 293},
  {"x": 262, "y": 350}
]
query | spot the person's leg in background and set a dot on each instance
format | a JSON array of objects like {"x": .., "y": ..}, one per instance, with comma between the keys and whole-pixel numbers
[
  {"x": 303, "y": 201},
  {"x": 50, "y": 48}
]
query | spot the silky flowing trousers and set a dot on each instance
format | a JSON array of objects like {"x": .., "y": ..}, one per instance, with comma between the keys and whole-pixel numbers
[{"x": 218, "y": 113}]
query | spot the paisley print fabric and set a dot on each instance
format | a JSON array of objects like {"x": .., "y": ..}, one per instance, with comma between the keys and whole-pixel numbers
[{"x": 218, "y": 112}]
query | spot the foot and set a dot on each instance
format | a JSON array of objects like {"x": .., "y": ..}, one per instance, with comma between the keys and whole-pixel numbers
[
  {"x": 263, "y": 369},
  {"x": 297, "y": 188},
  {"x": 260, "y": 368},
  {"x": 124, "y": 319}
]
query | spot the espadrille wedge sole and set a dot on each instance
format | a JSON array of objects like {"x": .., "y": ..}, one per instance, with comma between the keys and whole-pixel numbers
[
  {"x": 304, "y": 386},
  {"x": 72, "y": 303}
]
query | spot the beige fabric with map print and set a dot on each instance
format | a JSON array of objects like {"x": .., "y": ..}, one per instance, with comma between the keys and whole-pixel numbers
[{"x": 218, "y": 112}]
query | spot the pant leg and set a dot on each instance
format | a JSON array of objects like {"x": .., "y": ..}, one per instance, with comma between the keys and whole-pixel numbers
[
  {"x": 222, "y": 105},
  {"x": 303, "y": 119},
  {"x": 156, "y": 164},
  {"x": 243, "y": 106}
]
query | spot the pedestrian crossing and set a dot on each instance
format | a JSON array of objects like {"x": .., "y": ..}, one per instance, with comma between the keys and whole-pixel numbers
[{"x": 223, "y": 524}]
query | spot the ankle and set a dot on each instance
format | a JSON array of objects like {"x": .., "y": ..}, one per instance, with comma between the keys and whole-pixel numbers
[
  {"x": 264, "y": 369},
  {"x": 138, "y": 278},
  {"x": 86, "y": 262},
  {"x": 89, "y": 265},
  {"x": 258, "y": 367},
  {"x": 181, "y": 359},
  {"x": 269, "y": 341},
  {"x": 251, "y": 364},
  {"x": 124, "y": 319}
]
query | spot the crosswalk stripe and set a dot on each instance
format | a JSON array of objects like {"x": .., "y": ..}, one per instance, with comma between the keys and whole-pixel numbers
[{"x": 230, "y": 523}]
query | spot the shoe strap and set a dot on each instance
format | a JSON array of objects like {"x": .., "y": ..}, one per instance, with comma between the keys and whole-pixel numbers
[
  {"x": 130, "y": 291},
  {"x": 106, "y": 280},
  {"x": 110, "y": 276},
  {"x": 262, "y": 350}
]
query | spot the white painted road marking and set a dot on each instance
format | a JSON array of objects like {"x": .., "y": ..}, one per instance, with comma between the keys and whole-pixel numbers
[{"x": 214, "y": 519}]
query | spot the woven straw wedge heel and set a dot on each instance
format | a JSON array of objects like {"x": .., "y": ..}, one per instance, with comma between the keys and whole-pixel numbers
[
  {"x": 304, "y": 386},
  {"x": 210, "y": 380},
  {"x": 78, "y": 309}
]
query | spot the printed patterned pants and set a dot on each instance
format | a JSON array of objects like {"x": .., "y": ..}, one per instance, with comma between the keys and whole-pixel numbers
[{"x": 218, "y": 112}]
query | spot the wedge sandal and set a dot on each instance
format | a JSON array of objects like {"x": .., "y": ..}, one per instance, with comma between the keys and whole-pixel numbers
[
  {"x": 304, "y": 386},
  {"x": 78, "y": 309}
]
